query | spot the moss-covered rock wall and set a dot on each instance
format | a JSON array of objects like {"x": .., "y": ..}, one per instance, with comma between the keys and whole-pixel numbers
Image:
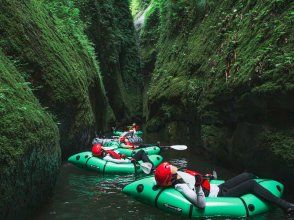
[
  {"x": 224, "y": 80},
  {"x": 52, "y": 98},
  {"x": 110, "y": 27},
  {"x": 29, "y": 146},
  {"x": 146, "y": 17},
  {"x": 58, "y": 60}
]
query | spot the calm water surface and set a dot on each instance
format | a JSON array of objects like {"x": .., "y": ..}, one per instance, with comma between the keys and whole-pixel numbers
[{"x": 80, "y": 194}]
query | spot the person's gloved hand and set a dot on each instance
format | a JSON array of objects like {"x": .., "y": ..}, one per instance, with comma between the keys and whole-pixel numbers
[
  {"x": 123, "y": 156},
  {"x": 209, "y": 176},
  {"x": 198, "y": 180}
]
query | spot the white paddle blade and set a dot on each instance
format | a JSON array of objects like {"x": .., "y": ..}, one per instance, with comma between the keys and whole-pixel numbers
[
  {"x": 146, "y": 167},
  {"x": 110, "y": 148},
  {"x": 179, "y": 147},
  {"x": 214, "y": 174}
]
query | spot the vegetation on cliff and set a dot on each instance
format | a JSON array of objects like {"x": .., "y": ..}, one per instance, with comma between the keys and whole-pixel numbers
[
  {"x": 29, "y": 145},
  {"x": 110, "y": 27},
  {"x": 224, "y": 77},
  {"x": 51, "y": 95},
  {"x": 146, "y": 12},
  {"x": 57, "y": 59}
]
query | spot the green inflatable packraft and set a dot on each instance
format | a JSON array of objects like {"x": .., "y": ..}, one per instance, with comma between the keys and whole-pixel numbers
[
  {"x": 129, "y": 152},
  {"x": 172, "y": 201},
  {"x": 86, "y": 160},
  {"x": 149, "y": 150},
  {"x": 119, "y": 133}
]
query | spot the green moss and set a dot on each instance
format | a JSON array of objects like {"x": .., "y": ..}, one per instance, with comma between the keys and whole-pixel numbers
[
  {"x": 225, "y": 63},
  {"x": 29, "y": 149},
  {"x": 280, "y": 144},
  {"x": 60, "y": 64},
  {"x": 214, "y": 140},
  {"x": 111, "y": 29}
]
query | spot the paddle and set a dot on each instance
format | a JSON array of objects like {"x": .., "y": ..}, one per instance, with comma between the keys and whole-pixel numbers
[
  {"x": 214, "y": 174},
  {"x": 146, "y": 167},
  {"x": 175, "y": 147}
]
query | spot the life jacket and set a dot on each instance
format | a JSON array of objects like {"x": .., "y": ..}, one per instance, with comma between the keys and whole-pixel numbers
[
  {"x": 131, "y": 146},
  {"x": 205, "y": 183},
  {"x": 113, "y": 154}
]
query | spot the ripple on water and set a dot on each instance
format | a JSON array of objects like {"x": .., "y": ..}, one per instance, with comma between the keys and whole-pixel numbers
[{"x": 181, "y": 163}]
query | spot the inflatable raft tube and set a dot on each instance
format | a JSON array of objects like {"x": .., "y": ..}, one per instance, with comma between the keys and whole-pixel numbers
[
  {"x": 149, "y": 150},
  {"x": 172, "y": 201},
  {"x": 119, "y": 133},
  {"x": 86, "y": 160},
  {"x": 129, "y": 152}
]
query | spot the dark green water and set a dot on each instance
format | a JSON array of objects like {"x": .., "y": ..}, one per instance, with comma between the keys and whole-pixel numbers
[{"x": 85, "y": 195}]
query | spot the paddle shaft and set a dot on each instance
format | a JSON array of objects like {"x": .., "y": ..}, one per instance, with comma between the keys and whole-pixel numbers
[{"x": 175, "y": 147}]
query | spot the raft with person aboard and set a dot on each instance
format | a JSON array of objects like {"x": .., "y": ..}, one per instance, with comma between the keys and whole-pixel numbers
[
  {"x": 151, "y": 150},
  {"x": 112, "y": 144},
  {"x": 86, "y": 160},
  {"x": 120, "y": 133},
  {"x": 172, "y": 201}
]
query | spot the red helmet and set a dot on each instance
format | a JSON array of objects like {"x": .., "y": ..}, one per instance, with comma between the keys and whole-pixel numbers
[
  {"x": 97, "y": 150},
  {"x": 122, "y": 139},
  {"x": 163, "y": 174}
]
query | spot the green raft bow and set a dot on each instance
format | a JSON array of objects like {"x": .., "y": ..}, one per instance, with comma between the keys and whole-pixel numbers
[
  {"x": 119, "y": 133},
  {"x": 149, "y": 151},
  {"x": 129, "y": 152},
  {"x": 172, "y": 201},
  {"x": 86, "y": 160}
]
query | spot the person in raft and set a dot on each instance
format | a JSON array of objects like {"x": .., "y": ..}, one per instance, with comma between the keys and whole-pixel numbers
[
  {"x": 130, "y": 142},
  {"x": 131, "y": 131},
  {"x": 113, "y": 156},
  {"x": 185, "y": 182},
  {"x": 135, "y": 127},
  {"x": 134, "y": 143}
]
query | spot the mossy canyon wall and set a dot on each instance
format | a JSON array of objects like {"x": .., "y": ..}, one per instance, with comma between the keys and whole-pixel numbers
[
  {"x": 217, "y": 75},
  {"x": 58, "y": 75},
  {"x": 222, "y": 79}
]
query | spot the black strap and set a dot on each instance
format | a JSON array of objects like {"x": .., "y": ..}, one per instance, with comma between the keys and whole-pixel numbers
[
  {"x": 103, "y": 170},
  {"x": 135, "y": 167},
  {"x": 191, "y": 210},
  {"x": 157, "y": 196},
  {"x": 88, "y": 160},
  {"x": 244, "y": 203}
]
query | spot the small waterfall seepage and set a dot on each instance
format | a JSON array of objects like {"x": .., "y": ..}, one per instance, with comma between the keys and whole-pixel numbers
[{"x": 140, "y": 17}]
